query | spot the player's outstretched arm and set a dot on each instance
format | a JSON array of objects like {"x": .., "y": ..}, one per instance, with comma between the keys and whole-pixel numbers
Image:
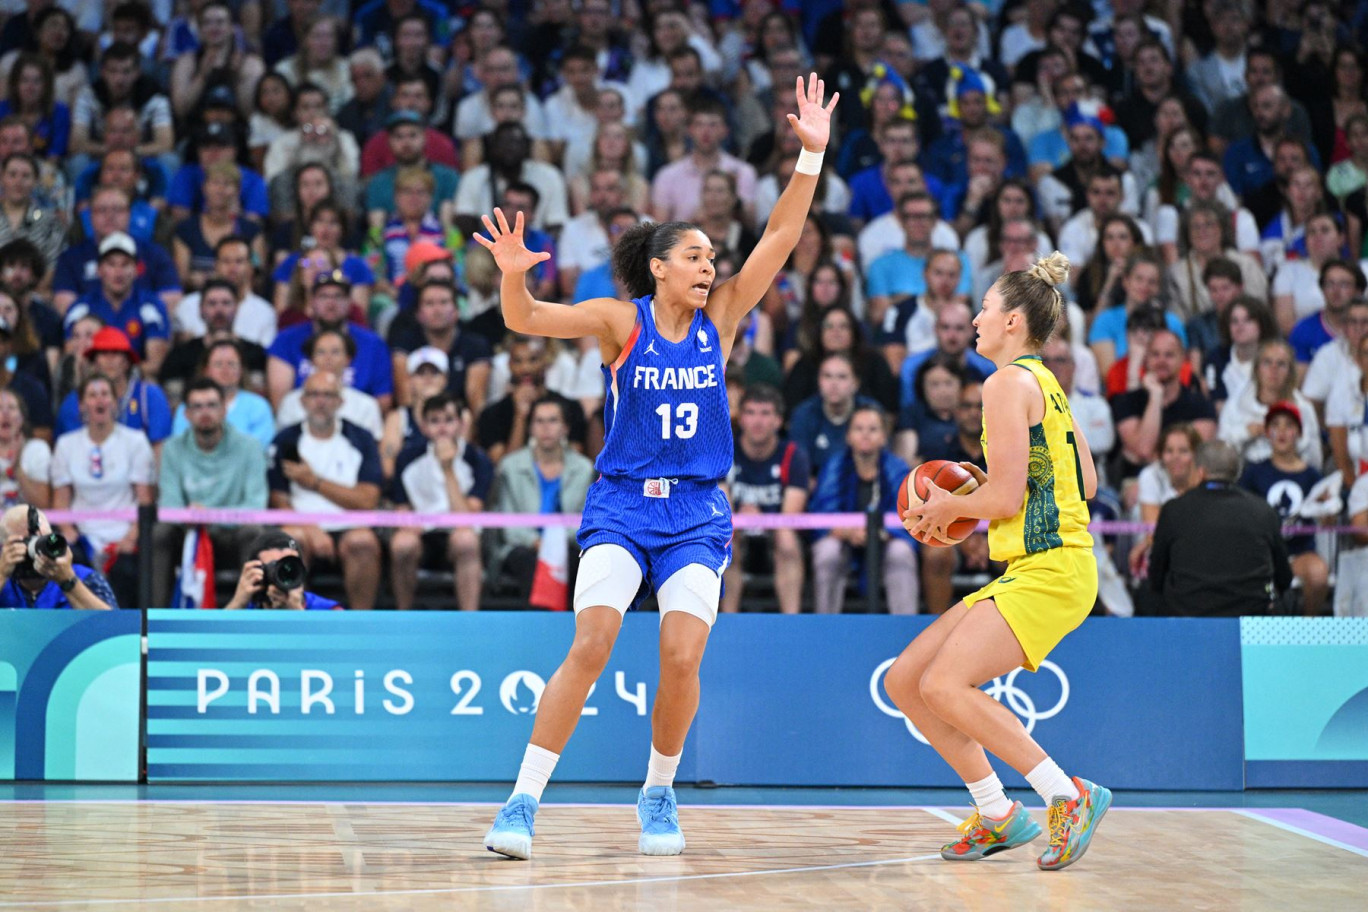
[
  {"x": 733, "y": 299},
  {"x": 607, "y": 319}
]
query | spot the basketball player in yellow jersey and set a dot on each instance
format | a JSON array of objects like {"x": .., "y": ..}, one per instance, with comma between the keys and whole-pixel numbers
[{"x": 1035, "y": 496}]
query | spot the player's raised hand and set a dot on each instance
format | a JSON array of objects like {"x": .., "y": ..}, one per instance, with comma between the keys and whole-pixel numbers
[
  {"x": 813, "y": 122},
  {"x": 507, "y": 244}
]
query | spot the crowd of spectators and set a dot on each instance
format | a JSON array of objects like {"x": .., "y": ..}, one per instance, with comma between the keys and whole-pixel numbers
[{"x": 236, "y": 267}]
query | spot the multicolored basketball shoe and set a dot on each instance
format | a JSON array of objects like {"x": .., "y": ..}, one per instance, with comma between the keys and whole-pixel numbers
[
  {"x": 984, "y": 836},
  {"x": 659, "y": 816},
  {"x": 1072, "y": 824},
  {"x": 512, "y": 831}
]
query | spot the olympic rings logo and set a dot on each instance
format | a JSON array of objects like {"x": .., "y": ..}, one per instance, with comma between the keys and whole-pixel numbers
[{"x": 1004, "y": 690}]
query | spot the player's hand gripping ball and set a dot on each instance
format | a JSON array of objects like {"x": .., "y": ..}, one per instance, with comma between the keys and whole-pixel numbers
[{"x": 945, "y": 474}]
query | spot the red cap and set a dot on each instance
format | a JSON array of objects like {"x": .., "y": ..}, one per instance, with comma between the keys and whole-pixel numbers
[
  {"x": 422, "y": 253},
  {"x": 111, "y": 339},
  {"x": 1284, "y": 408}
]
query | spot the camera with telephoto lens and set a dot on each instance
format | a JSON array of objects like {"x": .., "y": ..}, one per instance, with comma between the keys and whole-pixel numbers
[
  {"x": 285, "y": 574},
  {"x": 51, "y": 545}
]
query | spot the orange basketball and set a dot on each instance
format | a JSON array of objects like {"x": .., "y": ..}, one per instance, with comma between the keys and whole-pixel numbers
[{"x": 943, "y": 473}]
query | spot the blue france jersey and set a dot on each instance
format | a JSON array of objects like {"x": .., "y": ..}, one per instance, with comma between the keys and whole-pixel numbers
[{"x": 666, "y": 413}]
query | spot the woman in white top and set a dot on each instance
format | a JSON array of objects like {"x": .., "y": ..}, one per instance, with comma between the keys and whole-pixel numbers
[
  {"x": 613, "y": 149},
  {"x": 1346, "y": 415},
  {"x": 25, "y": 462},
  {"x": 1013, "y": 200},
  {"x": 1173, "y": 473},
  {"x": 1275, "y": 380},
  {"x": 320, "y": 62},
  {"x": 670, "y": 31},
  {"x": 333, "y": 351},
  {"x": 1207, "y": 233},
  {"x": 104, "y": 465},
  {"x": 273, "y": 115},
  {"x": 1246, "y": 324}
]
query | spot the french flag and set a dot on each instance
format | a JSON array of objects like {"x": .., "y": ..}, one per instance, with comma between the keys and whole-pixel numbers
[
  {"x": 550, "y": 588},
  {"x": 195, "y": 587}
]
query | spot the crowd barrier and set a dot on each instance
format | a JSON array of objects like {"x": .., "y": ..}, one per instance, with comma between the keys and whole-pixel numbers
[
  {"x": 148, "y": 516},
  {"x": 798, "y": 701}
]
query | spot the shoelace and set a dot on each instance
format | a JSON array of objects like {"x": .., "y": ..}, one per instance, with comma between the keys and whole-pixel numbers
[
  {"x": 974, "y": 830},
  {"x": 518, "y": 813},
  {"x": 659, "y": 809},
  {"x": 1058, "y": 818}
]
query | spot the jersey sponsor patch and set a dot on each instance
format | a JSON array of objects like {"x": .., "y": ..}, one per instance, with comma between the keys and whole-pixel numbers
[{"x": 656, "y": 487}]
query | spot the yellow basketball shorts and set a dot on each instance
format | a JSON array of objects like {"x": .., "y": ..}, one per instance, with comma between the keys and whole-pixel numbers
[{"x": 1043, "y": 597}]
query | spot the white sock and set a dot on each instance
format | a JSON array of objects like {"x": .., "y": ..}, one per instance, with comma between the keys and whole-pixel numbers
[
  {"x": 537, "y": 766},
  {"x": 661, "y": 769},
  {"x": 989, "y": 797},
  {"x": 1049, "y": 782}
]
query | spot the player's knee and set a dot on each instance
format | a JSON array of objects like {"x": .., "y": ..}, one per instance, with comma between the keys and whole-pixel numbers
[
  {"x": 903, "y": 681},
  {"x": 693, "y": 589},
  {"x": 591, "y": 650},
  {"x": 937, "y": 689}
]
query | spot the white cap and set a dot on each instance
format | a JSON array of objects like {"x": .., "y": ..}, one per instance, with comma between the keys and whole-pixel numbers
[
  {"x": 428, "y": 355},
  {"x": 119, "y": 242}
]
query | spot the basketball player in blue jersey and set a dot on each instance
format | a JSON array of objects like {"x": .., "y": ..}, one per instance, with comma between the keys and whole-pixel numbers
[{"x": 656, "y": 513}]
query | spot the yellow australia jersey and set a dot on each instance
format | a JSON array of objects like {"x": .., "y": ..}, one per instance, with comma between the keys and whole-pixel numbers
[{"x": 1054, "y": 513}]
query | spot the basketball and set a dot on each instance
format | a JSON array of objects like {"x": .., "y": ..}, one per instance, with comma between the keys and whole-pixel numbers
[{"x": 943, "y": 473}]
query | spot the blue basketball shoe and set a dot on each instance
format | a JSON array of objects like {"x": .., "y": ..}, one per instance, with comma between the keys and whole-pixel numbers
[
  {"x": 512, "y": 831},
  {"x": 659, "y": 816},
  {"x": 1073, "y": 823}
]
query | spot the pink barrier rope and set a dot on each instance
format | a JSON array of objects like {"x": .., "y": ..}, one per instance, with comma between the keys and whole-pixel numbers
[{"x": 403, "y": 519}]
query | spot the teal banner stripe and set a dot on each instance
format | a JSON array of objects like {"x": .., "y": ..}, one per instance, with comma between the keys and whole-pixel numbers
[{"x": 361, "y": 770}]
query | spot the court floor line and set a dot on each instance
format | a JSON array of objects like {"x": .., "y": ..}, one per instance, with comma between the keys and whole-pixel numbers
[
  {"x": 1301, "y": 831},
  {"x": 453, "y": 891}
]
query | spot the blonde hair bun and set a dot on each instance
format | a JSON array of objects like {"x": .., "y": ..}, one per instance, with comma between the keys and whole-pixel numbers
[{"x": 1053, "y": 270}]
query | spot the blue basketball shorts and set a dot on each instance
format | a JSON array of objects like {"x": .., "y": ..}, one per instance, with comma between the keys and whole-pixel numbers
[{"x": 686, "y": 523}]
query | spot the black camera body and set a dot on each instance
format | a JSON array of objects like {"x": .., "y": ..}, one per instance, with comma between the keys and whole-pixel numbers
[
  {"x": 52, "y": 545},
  {"x": 286, "y": 574}
]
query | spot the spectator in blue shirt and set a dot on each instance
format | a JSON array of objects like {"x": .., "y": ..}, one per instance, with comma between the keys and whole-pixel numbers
[
  {"x": 119, "y": 302},
  {"x": 215, "y": 143},
  {"x": 818, "y": 423},
  {"x": 970, "y": 106},
  {"x": 77, "y": 271},
  {"x": 954, "y": 337},
  {"x": 122, "y": 168},
  {"x": 899, "y": 273},
  {"x": 46, "y": 582},
  {"x": 371, "y": 371},
  {"x": 1247, "y": 165},
  {"x": 864, "y": 476},
  {"x": 142, "y": 404},
  {"x": 869, "y": 197}
]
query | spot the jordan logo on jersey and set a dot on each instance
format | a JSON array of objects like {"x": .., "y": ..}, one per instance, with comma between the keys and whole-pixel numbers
[{"x": 650, "y": 348}]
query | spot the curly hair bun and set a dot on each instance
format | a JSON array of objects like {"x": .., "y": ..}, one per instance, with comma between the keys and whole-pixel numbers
[{"x": 1052, "y": 270}]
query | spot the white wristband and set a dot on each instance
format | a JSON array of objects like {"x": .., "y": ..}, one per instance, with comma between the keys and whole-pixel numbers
[{"x": 809, "y": 162}]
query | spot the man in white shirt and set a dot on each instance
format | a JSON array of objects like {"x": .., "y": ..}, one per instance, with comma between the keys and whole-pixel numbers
[
  {"x": 473, "y": 115},
  {"x": 1334, "y": 363},
  {"x": 885, "y": 232},
  {"x": 1219, "y": 76},
  {"x": 329, "y": 465},
  {"x": 442, "y": 474},
  {"x": 570, "y": 111},
  {"x": 255, "y": 319},
  {"x": 1078, "y": 235},
  {"x": 509, "y": 161},
  {"x": 584, "y": 242}
]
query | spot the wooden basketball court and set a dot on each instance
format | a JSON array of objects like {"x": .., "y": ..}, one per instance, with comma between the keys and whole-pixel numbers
[{"x": 357, "y": 856}]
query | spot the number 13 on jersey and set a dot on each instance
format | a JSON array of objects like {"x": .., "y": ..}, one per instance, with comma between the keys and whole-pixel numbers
[{"x": 686, "y": 413}]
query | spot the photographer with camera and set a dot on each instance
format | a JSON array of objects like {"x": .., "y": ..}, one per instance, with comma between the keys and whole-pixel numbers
[
  {"x": 36, "y": 569},
  {"x": 274, "y": 577}
]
